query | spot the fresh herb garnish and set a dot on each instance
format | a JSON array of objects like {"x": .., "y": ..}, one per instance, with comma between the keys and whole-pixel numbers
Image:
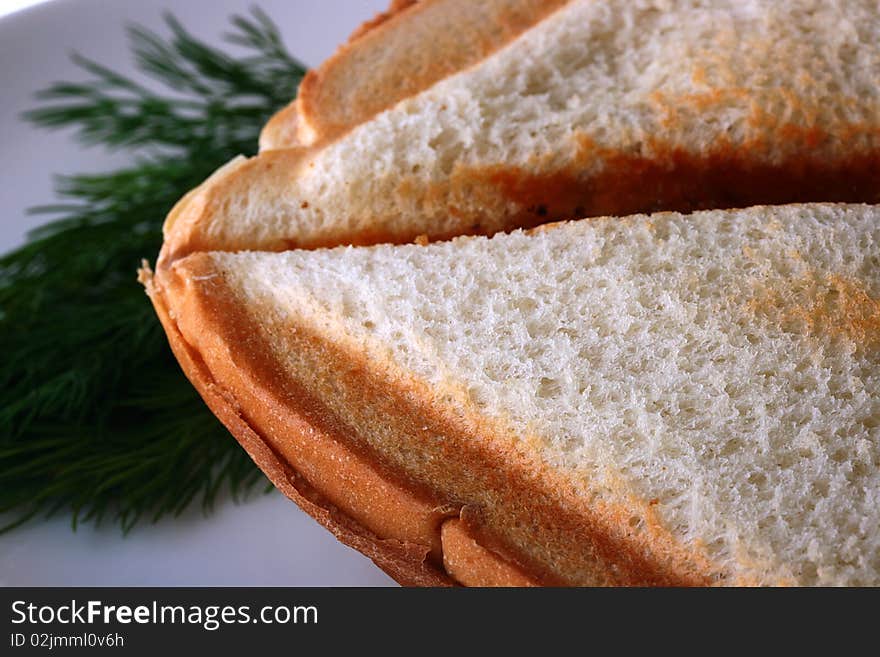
[{"x": 95, "y": 414}]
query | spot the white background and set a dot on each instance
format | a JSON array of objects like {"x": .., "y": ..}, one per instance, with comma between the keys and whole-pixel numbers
[
  {"x": 266, "y": 541},
  {"x": 9, "y": 6}
]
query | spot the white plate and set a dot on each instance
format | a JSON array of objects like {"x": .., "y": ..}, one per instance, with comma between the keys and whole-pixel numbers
[{"x": 267, "y": 541}]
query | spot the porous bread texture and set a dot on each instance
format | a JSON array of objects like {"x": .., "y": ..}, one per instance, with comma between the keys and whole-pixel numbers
[
  {"x": 396, "y": 55},
  {"x": 722, "y": 368},
  {"x": 613, "y": 88}
]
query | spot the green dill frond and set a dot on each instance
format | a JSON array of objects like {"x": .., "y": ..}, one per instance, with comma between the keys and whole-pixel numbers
[{"x": 96, "y": 417}]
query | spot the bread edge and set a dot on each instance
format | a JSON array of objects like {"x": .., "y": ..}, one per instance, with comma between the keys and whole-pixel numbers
[
  {"x": 302, "y": 122},
  {"x": 405, "y": 563},
  {"x": 408, "y": 563},
  {"x": 282, "y": 130}
]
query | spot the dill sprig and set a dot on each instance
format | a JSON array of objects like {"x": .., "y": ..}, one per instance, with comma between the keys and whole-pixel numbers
[{"x": 95, "y": 414}]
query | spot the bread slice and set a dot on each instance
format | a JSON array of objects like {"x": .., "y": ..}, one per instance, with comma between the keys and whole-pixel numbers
[
  {"x": 665, "y": 399},
  {"x": 396, "y": 55},
  {"x": 605, "y": 107}
]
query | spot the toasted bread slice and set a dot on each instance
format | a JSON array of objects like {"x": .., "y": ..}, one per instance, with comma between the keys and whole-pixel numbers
[
  {"x": 663, "y": 399},
  {"x": 394, "y": 56},
  {"x": 283, "y": 130},
  {"x": 605, "y": 107}
]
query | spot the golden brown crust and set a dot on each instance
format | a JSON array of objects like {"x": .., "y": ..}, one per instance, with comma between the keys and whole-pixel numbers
[
  {"x": 498, "y": 197},
  {"x": 408, "y": 563},
  {"x": 385, "y": 521},
  {"x": 394, "y": 56},
  {"x": 394, "y": 8},
  {"x": 675, "y": 179},
  {"x": 470, "y": 562},
  {"x": 283, "y": 128},
  {"x": 542, "y": 525}
]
